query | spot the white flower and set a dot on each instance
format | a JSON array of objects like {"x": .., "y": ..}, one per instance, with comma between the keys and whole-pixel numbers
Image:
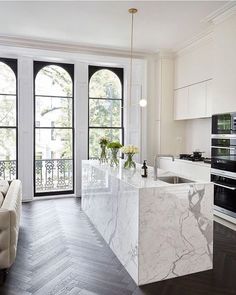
[{"x": 129, "y": 149}]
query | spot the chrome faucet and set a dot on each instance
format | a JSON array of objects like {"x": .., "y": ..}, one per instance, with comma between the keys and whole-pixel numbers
[{"x": 155, "y": 163}]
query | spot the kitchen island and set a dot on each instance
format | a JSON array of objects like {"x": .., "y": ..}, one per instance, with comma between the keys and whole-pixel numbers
[{"x": 158, "y": 230}]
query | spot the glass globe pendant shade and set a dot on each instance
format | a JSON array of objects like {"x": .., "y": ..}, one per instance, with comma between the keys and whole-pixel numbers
[{"x": 143, "y": 103}]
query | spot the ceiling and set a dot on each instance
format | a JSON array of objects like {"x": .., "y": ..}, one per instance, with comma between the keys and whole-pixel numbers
[{"x": 106, "y": 24}]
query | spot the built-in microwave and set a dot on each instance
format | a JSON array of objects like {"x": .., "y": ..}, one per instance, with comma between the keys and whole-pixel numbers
[{"x": 224, "y": 123}]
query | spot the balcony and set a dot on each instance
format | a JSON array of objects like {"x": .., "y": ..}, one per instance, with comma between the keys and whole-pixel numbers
[
  {"x": 53, "y": 175},
  {"x": 8, "y": 169}
]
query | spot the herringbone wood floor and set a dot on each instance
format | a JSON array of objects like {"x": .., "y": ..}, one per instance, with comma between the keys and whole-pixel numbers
[{"x": 60, "y": 253}]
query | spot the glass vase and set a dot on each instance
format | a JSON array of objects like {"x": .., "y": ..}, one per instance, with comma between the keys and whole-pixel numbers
[
  {"x": 114, "y": 161},
  {"x": 129, "y": 163},
  {"x": 103, "y": 155}
]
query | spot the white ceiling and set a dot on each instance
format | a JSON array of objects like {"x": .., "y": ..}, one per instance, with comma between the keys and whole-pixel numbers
[{"x": 106, "y": 24}]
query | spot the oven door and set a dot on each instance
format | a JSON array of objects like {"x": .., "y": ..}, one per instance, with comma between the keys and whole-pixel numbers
[
  {"x": 223, "y": 146},
  {"x": 217, "y": 151},
  {"x": 226, "y": 163},
  {"x": 224, "y": 124},
  {"x": 224, "y": 194}
]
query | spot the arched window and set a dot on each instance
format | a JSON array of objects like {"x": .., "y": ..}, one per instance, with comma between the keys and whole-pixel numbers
[
  {"x": 54, "y": 128},
  {"x": 105, "y": 106},
  {"x": 8, "y": 118}
]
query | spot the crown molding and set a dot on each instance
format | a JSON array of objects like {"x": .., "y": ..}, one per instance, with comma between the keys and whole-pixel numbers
[
  {"x": 195, "y": 42},
  {"x": 212, "y": 19},
  {"x": 221, "y": 14},
  {"x": 166, "y": 54},
  {"x": 31, "y": 43}
]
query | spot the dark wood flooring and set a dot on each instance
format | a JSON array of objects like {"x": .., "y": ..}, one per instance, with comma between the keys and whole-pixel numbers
[{"x": 60, "y": 253}]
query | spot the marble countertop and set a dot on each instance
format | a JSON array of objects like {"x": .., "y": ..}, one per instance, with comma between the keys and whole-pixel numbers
[{"x": 133, "y": 177}]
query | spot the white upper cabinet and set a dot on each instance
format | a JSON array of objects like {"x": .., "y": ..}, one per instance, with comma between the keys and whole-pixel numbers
[
  {"x": 181, "y": 104},
  {"x": 224, "y": 84},
  {"x": 194, "y": 64},
  {"x": 194, "y": 72},
  {"x": 193, "y": 102},
  {"x": 197, "y": 100},
  {"x": 209, "y": 98}
]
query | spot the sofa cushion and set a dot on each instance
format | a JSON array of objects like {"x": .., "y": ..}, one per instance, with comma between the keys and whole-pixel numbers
[
  {"x": 4, "y": 186},
  {"x": 1, "y": 199}
]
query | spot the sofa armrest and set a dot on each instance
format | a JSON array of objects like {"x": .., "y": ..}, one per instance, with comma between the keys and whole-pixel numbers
[
  {"x": 5, "y": 238},
  {"x": 11, "y": 206}
]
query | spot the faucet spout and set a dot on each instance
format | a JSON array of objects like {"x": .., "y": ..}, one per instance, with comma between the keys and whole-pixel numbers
[{"x": 156, "y": 163}]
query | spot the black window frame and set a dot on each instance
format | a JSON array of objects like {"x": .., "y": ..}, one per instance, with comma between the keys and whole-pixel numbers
[
  {"x": 13, "y": 64},
  {"x": 120, "y": 74},
  {"x": 37, "y": 66}
]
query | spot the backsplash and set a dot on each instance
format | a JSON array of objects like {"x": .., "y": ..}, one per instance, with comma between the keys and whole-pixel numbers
[{"x": 198, "y": 136}]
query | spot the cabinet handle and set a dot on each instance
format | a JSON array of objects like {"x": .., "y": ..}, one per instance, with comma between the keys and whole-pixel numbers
[
  {"x": 225, "y": 186},
  {"x": 223, "y": 147}
]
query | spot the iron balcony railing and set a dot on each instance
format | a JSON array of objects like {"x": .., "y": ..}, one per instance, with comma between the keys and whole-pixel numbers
[
  {"x": 53, "y": 175},
  {"x": 8, "y": 169}
]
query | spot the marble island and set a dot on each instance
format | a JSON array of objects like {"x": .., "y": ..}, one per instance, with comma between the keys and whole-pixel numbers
[{"x": 156, "y": 229}]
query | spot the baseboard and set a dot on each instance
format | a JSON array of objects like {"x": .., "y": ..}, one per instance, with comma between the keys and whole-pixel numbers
[{"x": 225, "y": 220}]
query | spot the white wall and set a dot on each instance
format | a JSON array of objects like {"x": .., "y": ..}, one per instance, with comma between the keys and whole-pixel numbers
[
  {"x": 171, "y": 132},
  {"x": 198, "y": 136},
  {"x": 135, "y": 125},
  {"x": 164, "y": 135}
]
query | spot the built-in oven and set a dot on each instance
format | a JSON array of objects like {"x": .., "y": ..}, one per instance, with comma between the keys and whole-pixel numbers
[
  {"x": 223, "y": 146},
  {"x": 224, "y": 123},
  {"x": 223, "y": 162},
  {"x": 224, "y": 191}
]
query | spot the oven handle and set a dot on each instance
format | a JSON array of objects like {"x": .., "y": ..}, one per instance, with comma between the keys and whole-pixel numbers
[
  {"x": 223, "y": 147},
  {"x": 225, "y": 186}
]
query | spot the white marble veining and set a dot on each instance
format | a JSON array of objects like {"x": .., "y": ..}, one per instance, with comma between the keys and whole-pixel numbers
[
  {"x": 112, "y": 206},
  {"x": 157, "y": 230},
  {"x": 176, "y": 231}
]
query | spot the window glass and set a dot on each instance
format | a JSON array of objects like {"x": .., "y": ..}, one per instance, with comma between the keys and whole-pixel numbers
[
  {"x": 8, "y": 122},
  {"x": 53, "y": 80},
  {"x": 105, "y": 107},
  {"x": 105, "y": 84},
  {"x": 53, "y": 129},
  {"x": 7, "y": 79}
]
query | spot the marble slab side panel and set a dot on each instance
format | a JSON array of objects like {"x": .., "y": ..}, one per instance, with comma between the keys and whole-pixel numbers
[
  {"x": 112, "y": 207},
  {"x": 175, "y": 231}
]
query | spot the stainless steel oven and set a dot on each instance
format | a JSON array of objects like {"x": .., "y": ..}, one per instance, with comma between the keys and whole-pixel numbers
[
  {"x": 223, "y": 162},
  {"x": 224, "y": 123},
  {"x": 224, "y": 191},
  {"x": 223, "y": 146}
]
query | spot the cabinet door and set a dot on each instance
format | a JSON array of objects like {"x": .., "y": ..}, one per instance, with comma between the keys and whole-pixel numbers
[
  {"x": 209, "y": 98},
  {"x": 181, "y": 104},
  {"x": 197, "y": 100}
]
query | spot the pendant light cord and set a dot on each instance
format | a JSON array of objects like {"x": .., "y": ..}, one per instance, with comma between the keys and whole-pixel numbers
[
  {"x": 131, "y": 56},
  {"x": 132, "y": 11}
]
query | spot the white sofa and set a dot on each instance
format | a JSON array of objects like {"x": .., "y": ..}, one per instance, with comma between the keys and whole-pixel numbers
[{"x": 10, "y": 213}]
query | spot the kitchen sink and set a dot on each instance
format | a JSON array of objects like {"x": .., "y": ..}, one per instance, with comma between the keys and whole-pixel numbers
[{"x": 174, "y": 179}]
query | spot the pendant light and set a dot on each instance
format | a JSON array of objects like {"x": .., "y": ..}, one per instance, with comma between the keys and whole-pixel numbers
[{"x": 132, "y": 11}]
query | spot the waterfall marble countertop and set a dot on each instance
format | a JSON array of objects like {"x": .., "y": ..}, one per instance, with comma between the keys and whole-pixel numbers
[
  {"x": 133, "y": 177},
  {"x": 157, "y": 230}
]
